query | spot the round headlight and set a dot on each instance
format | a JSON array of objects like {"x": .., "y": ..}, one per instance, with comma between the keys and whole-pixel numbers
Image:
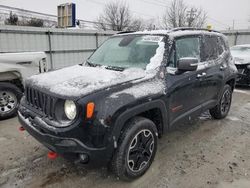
[
  {"x": 70, "y": 109},
  {"x": 248, "y": 66}
]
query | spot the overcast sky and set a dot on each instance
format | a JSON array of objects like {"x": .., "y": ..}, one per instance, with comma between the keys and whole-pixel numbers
[{"x": 221, "y": 13}]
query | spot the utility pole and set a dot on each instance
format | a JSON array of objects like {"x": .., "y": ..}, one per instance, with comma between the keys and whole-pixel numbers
[
  {"x": 233, "y": 24},
  {"x": 191, "y": 16}
]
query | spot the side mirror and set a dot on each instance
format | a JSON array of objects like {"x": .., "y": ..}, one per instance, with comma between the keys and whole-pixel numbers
[{"x": 187, "y": 64}]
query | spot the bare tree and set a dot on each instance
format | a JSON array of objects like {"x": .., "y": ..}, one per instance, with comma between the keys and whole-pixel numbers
[
  {"x": 136, "y": 24},
  {"x": 179, "y": 14},
  {"x": 12, "y": 20},
  {"x": 100, "y": 24},
  {"x": 35, "y": 22},
  {"x": 175, "y": 15},
  {"x": 196, "y": 17},
  {"x": 116, "y": 16}
]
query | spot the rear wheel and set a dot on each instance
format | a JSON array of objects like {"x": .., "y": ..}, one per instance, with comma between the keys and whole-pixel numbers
[
  {"x": 136, "y": 150},
  {"x": 221, "y": 110},
  {"x": 10, "y": 96}
]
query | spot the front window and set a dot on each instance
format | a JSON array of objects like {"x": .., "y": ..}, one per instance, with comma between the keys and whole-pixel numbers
[
  {"x": 127, "y": 51},
  {"x": 184, "y": 47}
]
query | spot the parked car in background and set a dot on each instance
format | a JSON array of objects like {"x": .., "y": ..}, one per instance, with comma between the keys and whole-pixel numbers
[
  {"x": 14, "y": 68},
  {"x": 134, "y": 88},
  {"x": 241, "y": 54}
]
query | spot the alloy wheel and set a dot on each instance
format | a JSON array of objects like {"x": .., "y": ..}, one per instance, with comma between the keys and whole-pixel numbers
[
  {"x": 8, "y": 101},
  {"x": 140, "y": 150},
  {"x": 225, "y": 102}
]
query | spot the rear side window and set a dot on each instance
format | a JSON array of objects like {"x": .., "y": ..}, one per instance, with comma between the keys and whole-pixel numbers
[
  {"x": 223, "y": 44},
  {"x": 220, "y": 46},
  {"x": 210, "y": 48}
]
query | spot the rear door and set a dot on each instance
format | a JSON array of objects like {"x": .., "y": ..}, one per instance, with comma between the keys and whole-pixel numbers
[{"x": 212, "y": 55}]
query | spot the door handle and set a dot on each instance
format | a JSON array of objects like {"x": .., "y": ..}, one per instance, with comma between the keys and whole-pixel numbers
[{"x": 201, "y": 75}]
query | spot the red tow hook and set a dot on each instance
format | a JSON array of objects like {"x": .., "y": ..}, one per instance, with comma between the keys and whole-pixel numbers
[
  {"x": 21, "y": 129},
  {"x": 52, "y": 155}
]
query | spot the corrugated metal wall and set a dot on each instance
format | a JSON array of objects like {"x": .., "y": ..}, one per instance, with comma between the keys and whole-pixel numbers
[
  {"x": 238, "y": 37},
  {"x": 63, "y": 47}
]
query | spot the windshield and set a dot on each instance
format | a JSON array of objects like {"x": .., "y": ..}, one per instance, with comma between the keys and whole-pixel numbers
[
  {"x": 240, "y": 50},
  {"x": 126, "y": 51}
]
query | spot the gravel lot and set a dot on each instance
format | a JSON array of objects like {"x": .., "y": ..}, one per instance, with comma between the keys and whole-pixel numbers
[{"x": 206, "y": 153}]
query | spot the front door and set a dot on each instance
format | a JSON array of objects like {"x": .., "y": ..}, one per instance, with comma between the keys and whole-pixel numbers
[{"x": 186, "y": 90}]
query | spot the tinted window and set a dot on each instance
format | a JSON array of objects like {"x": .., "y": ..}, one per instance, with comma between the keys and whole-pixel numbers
[
  {"x": 188, "y": 47},
  {"x": 210, "y": 48},
  {"x": 185, "y": 47},
  {"x": 220, "y": 44},
  {"x": 171, "y": 62}
]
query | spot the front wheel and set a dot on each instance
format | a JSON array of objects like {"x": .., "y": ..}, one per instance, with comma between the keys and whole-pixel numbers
[
  {"x": 136, "y": 150},
  {"x": 221, "y": 110},
  {"x": 10, "y": 96}
]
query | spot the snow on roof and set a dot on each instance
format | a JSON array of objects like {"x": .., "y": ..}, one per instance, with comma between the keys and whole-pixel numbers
[
  {"x": 242, "y": 45},
  {"x": 174, "y": 32}
]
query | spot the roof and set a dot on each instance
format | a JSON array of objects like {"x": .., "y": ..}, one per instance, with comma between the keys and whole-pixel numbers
[
  {"x": 242, "y": 45},
  {"x": 174, "y": 32}
]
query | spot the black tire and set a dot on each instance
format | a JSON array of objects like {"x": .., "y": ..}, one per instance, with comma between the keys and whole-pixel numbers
[
  {"x": 221, "y": 110},
  {"x": 10, "y": 96},
  {"x": 122, "y": 163}
]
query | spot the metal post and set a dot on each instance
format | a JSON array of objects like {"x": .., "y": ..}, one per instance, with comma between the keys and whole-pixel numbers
[
  {"x": 50, "y": 50},
  {"x": 236, "y": 38},
  {"x": 96, "y": 38}
]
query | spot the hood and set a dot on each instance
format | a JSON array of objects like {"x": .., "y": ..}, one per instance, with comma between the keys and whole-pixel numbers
[
  {"x": 241, "y": 59},
  {"x": 82, "y": 80}
]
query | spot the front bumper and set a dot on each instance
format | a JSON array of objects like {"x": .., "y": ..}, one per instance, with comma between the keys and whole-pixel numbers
[
  {"x": 70, "y": 148},
  {"x": 243, "y": 77}
]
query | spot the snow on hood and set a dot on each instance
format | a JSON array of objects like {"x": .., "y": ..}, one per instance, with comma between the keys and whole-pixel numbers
[
  {"x": 241, "y": 59},
  {"x": 153, "y": 87},
  {"x": 82, "y": 80}
]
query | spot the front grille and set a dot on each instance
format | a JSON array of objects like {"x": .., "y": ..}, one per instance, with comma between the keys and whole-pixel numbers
[{"x": 40, "y": 101}]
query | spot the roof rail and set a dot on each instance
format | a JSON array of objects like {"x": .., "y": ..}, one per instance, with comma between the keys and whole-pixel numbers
[
  {"x": 122, "y": 32},
  {"x": 192, "y": 29}
]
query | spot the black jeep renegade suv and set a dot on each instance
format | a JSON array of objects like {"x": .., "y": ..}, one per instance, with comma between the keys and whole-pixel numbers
[{"x": 135, "y": 87}]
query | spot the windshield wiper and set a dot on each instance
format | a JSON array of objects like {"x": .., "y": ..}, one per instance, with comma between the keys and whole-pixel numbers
[
  {"x": 115, "y": 68},
  {"x": 91, "y": 64},
  {"x": 105, "y": 66}
]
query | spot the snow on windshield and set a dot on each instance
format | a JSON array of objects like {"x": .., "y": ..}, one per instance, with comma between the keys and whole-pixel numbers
[
  {"x": 128, "y": 51},
  {"x": 157, "y": 59}
]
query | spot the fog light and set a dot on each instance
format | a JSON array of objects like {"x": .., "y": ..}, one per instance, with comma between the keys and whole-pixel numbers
[{"x": 84, "y": 158}]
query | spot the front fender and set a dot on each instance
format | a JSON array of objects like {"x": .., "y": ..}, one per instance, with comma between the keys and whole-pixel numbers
[
  {"x": 10, "y": 75},
  {"x": 122, "y": 118}
]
